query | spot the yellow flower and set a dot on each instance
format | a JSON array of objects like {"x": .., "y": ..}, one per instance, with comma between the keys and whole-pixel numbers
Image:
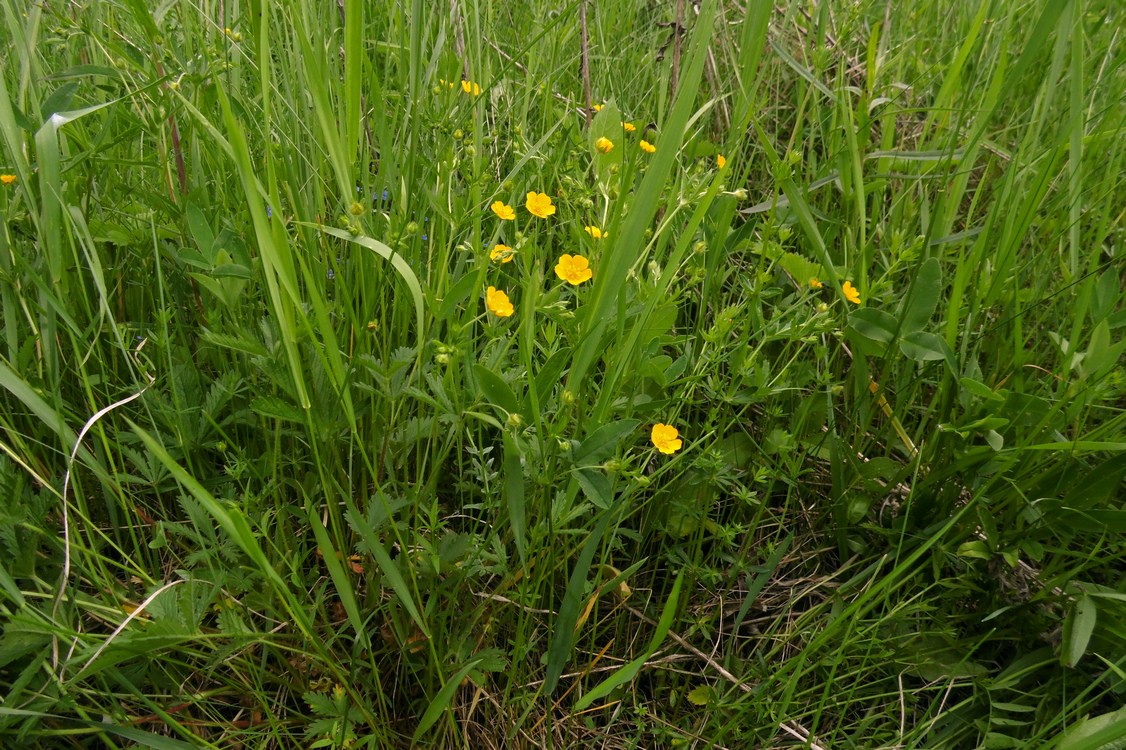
[
  {"x": 596, "y": 233},
  {"x": 666, "y": 438},
  {"x": 503, "y": 210},
  {"x": 447, "y": 84},
  {"x": 720, "y": 161},
  {"x": 604, "y": 145},
  {"x": 851, "y": 293},
  {"x": 503, "y": 253},
  {"x": 629, "y": 127},
  {"x": 498, "y": 302},
  {"x": 647, "y": 147},
  {"x": 539, "y": 204},
  {"x": 597, "y": 107},
  {"x": 7, "y": 179},
  {"x": 574, "y": 269},
  {"x": 470, "y": 87},
  {"x": 814, "y": 283}
]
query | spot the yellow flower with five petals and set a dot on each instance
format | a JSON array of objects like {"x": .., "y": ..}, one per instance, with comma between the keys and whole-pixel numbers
[{"x": 539, "y": 204}]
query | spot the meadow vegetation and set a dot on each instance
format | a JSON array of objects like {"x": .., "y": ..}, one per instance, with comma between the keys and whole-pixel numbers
[{"x": 552, "y": 374}]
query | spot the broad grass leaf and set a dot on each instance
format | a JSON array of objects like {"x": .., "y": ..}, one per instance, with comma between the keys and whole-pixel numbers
[
  {"x": 1102, "y": 732},
  {"x": 629, "y": 671},
  {"x": 1077, "y": 630},
  {"x": 514, "y": 494},
  {"x": 442, "y": 700},
  {"x": 922, "y": 299},
  {"x": 495, "y": 390},
  {"x": 601, "y": 444}
]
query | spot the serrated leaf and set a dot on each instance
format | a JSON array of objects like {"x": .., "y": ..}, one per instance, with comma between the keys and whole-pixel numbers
[
  {"x": 800, "y": 269},
  {"x": 701, "y": 695},
  {"x": 275, "y": 408}
]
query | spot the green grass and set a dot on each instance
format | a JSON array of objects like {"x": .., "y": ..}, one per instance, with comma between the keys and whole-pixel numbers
[{"x": 272, "y": 473}]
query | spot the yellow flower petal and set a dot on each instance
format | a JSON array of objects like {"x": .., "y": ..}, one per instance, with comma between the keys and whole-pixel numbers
[
  {"x": 503, "y": 210},
  {"x": 7, "y": 179},
  {"x": 814, "y": 283},
  {"x": 851, "y": 293},
  {"x": 574, "y": 269},
  {"x": 498, "y": 302},
  {"x": 595, "y": 232},
  {"x": 539, "y": 204},
  {"x": 720, "y": 161},
  {"x": 647, "y": 147},
  {"x": 604, "y": 145},
  {"x": 503, "y": 253},
  {"x": 629, "y": 127},
  {"x": 666, "y": 438}
]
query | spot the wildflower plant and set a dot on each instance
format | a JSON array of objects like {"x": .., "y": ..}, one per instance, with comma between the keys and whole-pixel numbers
[{"x": 267, "y": 400}]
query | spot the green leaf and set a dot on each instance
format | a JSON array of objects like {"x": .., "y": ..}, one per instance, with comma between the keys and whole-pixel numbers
[
  {"x": 495, "y": 390},
  {"x": 800, "y": 269},
  {"x": 1099, "y": 485},
  {"x": 1077, "y": 630},
  {"x": 925, "y": 347},
  {"x": 701, "y": 695},
  {"x": 564, "y": 637},
  {"x": 601, "y": 444},
  {"x": 200, "y": 229},
  {"x": 874, "y": 325},
  {"x": 629, "y": 671},
  {"x": 340, "y": 579},
  {"x": 980, "y": 389},
  {"x": 1102, "y": 732},
  {"x": 514, "y": 493},
  {"x": 374, "y": 544},
  {"x": 923, "y": 297},
  {"x": 275, "y": 408},
  {"x": 975, "y": 548},
  {"x": 596, "y": 486},
  {"x": 442, "y": 700},
  {"x": 457, "y": 294}
]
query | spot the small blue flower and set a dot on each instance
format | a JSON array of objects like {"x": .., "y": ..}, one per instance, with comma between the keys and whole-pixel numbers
[
  {"x": 269, "y": 212},
  {"x": 331, "y": 274}
]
